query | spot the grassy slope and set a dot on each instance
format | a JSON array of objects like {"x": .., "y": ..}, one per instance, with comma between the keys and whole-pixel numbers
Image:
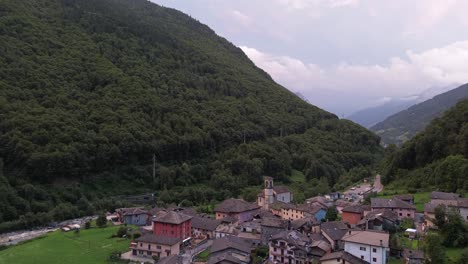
[{"x": 59, "y": 247}]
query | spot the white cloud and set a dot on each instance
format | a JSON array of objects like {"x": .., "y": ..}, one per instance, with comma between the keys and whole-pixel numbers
[
  {"x": 368, "y": 83},
  {"x": 240, "y": 17}
]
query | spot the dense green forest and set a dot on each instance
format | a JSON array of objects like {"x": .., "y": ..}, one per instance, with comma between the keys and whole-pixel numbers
[
  {"x": 437, "y": 158},
  {"x": 90, "y": 90},
  {"x": 402, "y": 126}
]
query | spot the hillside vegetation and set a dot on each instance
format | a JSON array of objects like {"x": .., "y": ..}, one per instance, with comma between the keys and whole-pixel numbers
[
  {"x": 404, "y": 125},
  {"x": 90, "y": 90},
  {"x": 437, "y": 158}
]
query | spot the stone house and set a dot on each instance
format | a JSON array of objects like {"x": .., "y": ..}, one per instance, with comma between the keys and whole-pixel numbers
[
  {"x": 132, "y": 216},
  {"x": 150, "y": 245},
  {"x": 402, "y": 208}
]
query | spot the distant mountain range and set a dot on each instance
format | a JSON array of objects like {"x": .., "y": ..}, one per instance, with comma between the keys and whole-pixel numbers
[
  {"x": 402, "y": 126},
  {"x": 370, "y": 116}
]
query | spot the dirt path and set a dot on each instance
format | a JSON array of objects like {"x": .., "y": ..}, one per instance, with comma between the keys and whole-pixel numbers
[{"x": 378, "y": 187}]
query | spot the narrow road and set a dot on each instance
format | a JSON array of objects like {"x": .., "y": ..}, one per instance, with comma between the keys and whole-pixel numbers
[
  {"x": 378, "y": 187},
  {"x": 190, "y": 254}
]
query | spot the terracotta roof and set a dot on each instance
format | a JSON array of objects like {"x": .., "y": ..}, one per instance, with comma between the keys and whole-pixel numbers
[
  {"x": 390, "y": 203},
  {"x": 162, "y": 240},
  {"x": 235, "y": 206},
  {"x": 335, "y": 230},
  {"x": 372, "y": 238},
  {"x": 231, "y": 242},
  {"x": 172, "y": 217},
  {"x": 444, "y": 196},
  {"x": 280, "y": 189},
  {"x": 344, "y": 256},
  {"x": 205, "y": 223}
]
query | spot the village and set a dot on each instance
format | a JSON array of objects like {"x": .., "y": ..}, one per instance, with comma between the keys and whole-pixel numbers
[{"x": 352, "y": 227}]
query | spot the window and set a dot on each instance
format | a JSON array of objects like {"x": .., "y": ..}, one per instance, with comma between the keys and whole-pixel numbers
[
  {"x": 158, "y": 247},
  {"x": 338, "y": 260},
  {"x": 400, "y": 214},
  {"x": 141, "y": 244},
  {"x": 374, "y": 259},
  {"x": 362, "y": 257},
  {"x": 362, "y": 248},
  {"x": 149, "y": 246},
  {"x": 408, "y": 215},
  {"x": 374, "y": 250}
]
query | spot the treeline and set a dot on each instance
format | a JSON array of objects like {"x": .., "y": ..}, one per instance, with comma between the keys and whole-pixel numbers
[
  {"x": 91, "y": 90},
  {"x": 437, "y": 157}
]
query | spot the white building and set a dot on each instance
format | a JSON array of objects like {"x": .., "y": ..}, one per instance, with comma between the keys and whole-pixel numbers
[
  {"x": 371, "y": 246},
  {"x": 463, "y": 208},
  {"x": 272, "y": 194}
]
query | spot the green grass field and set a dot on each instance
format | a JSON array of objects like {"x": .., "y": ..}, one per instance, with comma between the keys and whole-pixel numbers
[{"x": 89, "y": 246}]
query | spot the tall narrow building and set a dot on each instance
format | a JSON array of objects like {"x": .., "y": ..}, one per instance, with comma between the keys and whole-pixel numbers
[{"x": 272, "y": 194}]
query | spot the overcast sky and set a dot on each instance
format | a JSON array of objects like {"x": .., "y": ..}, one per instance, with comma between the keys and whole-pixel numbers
[{"x": 345, "y": 55}]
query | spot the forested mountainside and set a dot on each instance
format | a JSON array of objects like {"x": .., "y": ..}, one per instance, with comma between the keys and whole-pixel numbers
[
  {"x": 404, "y": 125},
  {"x": 90, "y": 90},
  {"x": 436, "y": 157}
]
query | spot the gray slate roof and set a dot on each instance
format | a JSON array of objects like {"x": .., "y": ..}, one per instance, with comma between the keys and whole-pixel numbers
[
  {"x": 444, "y": 196},
  {"x": 172, "y": 217},
  {"x": 173, "y": 259},
  {"x": 390, "y": 203},
  {"x": 230, "y": 242},
  {"x": 205, "y": 223},
  {"x": 344, "y": 256},
  {"x": 235, "y": 206},
  {"x": 163, "y": 240},
  {"x": 335, "y": 229}
]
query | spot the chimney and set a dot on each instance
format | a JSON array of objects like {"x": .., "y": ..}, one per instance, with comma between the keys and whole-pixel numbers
[{"x": 381, "y": 243}]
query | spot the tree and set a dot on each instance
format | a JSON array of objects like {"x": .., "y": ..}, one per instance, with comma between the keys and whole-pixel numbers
[
  {"x": 122, "y": 231},
  {"x": 463, "y": 257},
  {"x": 434, "y": 252},
  {"x": 455, "y": 231},
  {"x": 440, "y": 216},
  {"x": 101, "y": 221},
  {"x": 332, "y": 213}
]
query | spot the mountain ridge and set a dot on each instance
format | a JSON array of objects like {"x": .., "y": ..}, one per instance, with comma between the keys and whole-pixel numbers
[
  {"x": 91, "y": 91},
  {"x": 398, "y": 128}
]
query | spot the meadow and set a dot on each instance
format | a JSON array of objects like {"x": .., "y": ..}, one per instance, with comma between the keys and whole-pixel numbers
[{"x": 92, "y": 246}]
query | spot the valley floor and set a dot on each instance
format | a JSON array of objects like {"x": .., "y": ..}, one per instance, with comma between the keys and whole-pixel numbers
[{"x": 94, "y": 245}]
